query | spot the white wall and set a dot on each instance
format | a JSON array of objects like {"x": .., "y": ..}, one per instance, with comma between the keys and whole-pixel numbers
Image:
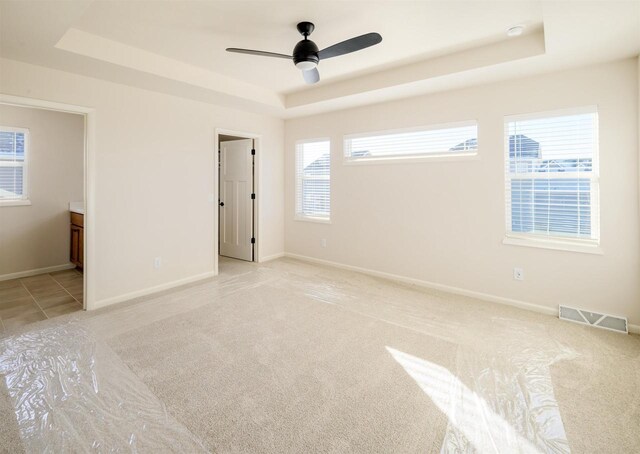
[
  {"x": 443, "y": 222},
  {"x": 37, "y": 235},
  {"x": 154, "y": 172}
]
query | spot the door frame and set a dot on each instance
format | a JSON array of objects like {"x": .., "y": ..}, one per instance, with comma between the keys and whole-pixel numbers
[
  {"x": 89, "y": 115},
  {"x": 257, "y": 139}
]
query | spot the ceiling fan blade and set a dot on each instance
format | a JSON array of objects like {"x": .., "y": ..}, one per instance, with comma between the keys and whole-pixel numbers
[
  {"x": 350, "y": 45},
  {"x": 311, "y": 76},
  {"x": 258, "y": 52}
]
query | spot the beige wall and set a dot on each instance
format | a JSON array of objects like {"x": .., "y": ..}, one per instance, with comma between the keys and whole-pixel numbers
[
  {"x": 37, "y": 236},
  {"x": 154, "y": 173},
  {"x": 443, "y": 222}
]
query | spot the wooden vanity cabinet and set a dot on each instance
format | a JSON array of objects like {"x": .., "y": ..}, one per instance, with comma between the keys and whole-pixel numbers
[{"x": 76, "y": 254}]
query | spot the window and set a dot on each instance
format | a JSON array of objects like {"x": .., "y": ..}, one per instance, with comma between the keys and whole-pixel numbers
[
  {"x": 13, "y": 175},
  {"x": 313, "y": 180},
  {"x": 552, "y": 176},
  {"x": 442, "y": 140}
]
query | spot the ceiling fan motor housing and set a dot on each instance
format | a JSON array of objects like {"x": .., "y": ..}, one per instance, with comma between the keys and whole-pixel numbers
[{"x": 306, "y": 51}]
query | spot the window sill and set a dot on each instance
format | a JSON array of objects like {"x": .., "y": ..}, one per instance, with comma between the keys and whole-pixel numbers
[
  {"x": 553, "y": 243},
  {"x": 312, "y": 219},
  {"x": 14, "y": 203},
  {"x": 413, "y": 159}
]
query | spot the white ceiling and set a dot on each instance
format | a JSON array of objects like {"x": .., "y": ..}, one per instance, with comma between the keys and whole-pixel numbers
[
  {"x": 178, "y": 46},
  {"x": 198, "y": 33}
]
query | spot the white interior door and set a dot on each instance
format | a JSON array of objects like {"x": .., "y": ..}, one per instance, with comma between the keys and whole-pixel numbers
[{"x": 236, "y": 207}]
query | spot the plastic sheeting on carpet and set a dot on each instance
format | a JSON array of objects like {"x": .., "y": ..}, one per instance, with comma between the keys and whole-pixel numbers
[
  {"x": 493, "y": 381},
  {"x": 500, "y": 396},
  {"x": 72, "y": 393}
]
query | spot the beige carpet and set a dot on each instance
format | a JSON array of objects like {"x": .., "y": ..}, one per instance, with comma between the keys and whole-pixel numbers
[{"x": 292, "y": 357}]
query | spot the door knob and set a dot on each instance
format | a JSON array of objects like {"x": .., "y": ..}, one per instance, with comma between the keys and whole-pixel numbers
[{"x": 221, "y": 204}]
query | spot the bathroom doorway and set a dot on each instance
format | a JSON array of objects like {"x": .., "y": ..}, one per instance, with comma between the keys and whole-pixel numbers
[{"x": 42, "y": 206}]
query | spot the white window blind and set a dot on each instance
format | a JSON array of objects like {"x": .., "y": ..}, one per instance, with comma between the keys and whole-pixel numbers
[
  {"x": 552, "y": 176},
  {"x": 13, "y": 152},
  {"x": 440, "y": 140},
  {"x": 313, "y": 179}
]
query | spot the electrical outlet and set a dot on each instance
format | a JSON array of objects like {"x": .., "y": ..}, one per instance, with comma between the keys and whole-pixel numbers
[
  {"x": 323, "y": 242},
  {"x": 157, "y": 262},
  {"x": 518, "y": 274}
]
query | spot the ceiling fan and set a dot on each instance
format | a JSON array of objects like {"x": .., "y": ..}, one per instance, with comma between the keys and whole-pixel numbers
[{"x": 306, "y": 55}]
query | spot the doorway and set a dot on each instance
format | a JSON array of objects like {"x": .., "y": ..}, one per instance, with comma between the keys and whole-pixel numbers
[
  {"x": 43, "y": 160},
  {"x": 237, "y": 197}
]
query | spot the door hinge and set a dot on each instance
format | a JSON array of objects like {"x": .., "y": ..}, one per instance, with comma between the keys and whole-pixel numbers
[
  {"x": 253, "y": 240},
  {"x": 253, "y": 151},
  {"x": 253, "y": 196}
]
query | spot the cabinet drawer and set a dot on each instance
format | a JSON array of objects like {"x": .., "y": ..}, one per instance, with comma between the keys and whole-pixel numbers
[{"x": 77, "y": 219}]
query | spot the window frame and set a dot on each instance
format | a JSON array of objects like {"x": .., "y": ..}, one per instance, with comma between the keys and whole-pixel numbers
[
  {"x": 24, "y": 199},
  {"x": 556, "y": 241},
  {"x": 413, "y": 157},
  {"x": 297, "y": 216}
]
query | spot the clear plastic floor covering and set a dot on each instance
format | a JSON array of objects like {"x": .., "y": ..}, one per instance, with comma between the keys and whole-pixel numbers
[{"x": 71, "y": 392}]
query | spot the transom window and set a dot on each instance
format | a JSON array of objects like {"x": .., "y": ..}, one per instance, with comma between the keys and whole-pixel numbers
[
  {"x": 551, "y": 168},
  {"x": 429, "y": 141},
  {"x": 13, "y": 162},
  {"x": 313, "y": 180}
]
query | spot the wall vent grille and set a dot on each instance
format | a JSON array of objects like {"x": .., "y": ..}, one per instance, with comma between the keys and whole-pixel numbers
[{"x": 604, "y": 321}]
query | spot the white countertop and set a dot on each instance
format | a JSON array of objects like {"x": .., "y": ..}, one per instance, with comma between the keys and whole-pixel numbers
[{"x": 76, "y": 207}]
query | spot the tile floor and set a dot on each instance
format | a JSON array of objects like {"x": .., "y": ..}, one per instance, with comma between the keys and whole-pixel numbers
[{"x": 36, "y": 298}]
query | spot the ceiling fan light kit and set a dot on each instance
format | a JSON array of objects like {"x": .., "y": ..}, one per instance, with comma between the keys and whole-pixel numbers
[{"x": 306, "y": 54}]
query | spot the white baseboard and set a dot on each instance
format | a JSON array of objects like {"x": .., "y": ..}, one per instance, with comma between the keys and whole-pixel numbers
[
  {"x": 28, "y": 273},
  {"x": 432, "y": 285},
  {"x": 150, "y": 290},
  {"x": 268, "y": 258},
  {"x": 633, "y": 329}
]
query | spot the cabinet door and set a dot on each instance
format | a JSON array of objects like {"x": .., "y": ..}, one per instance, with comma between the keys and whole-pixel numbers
[
  {"x": 80, "y": 247},
  {"x": 75, "y": 244}
]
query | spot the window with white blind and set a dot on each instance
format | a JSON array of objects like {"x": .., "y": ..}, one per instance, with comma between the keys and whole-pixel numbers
[
  {"x": 313, "y": 180},
  {"x": 551, "y": 168},
  {"x": 13, "y": 164},
  {"x": 431, "y": 141}
]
